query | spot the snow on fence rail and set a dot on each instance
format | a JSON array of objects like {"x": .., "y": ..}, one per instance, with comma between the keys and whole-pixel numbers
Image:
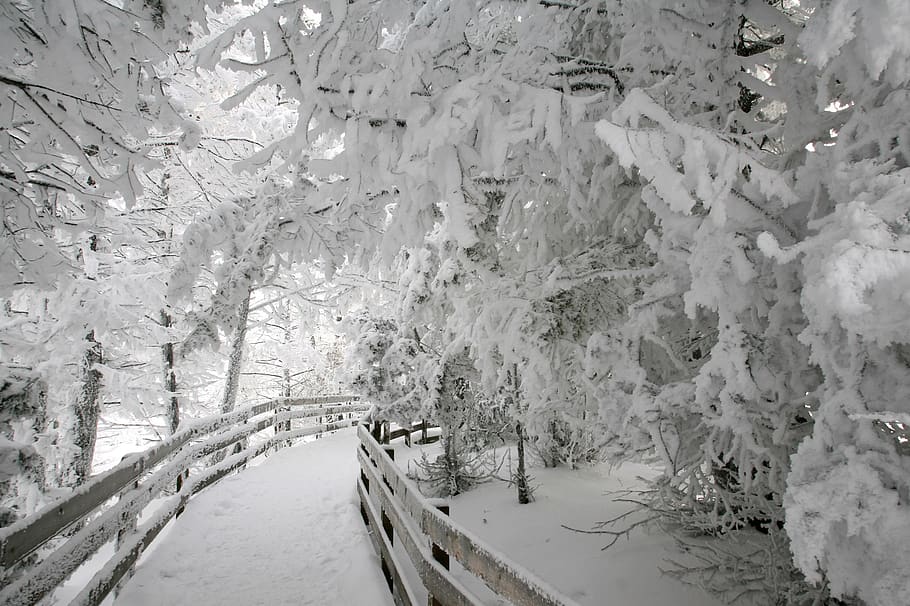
[
  {"x": 394, "y": 509},
  {"x": 135, "y": 482}
]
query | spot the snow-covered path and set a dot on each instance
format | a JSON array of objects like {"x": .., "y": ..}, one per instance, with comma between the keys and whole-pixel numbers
[{"x": 285, "y": 532}]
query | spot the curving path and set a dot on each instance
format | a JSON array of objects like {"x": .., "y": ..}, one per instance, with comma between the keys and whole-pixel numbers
[{"x": 285, "y": 532}]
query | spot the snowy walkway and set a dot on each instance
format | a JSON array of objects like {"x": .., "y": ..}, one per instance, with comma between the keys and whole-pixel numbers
[{"x": 285, "y": 532}]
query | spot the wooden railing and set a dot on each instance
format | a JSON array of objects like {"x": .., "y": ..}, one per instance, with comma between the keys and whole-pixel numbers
[
  {"x": 85, "y": 520},
  {"x": 398, "y": 514}
]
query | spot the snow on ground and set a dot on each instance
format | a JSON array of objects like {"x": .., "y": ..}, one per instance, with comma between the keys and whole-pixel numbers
[
  {"x": 289, "y": 532},
  {"x": 285, "y": 532},
  {"x": 626, "y": 574}
]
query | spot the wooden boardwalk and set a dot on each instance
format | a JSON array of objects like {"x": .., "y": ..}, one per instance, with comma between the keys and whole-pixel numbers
[{"x": 288, "y": 531}]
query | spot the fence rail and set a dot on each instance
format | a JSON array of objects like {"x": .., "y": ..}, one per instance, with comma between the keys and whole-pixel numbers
[
  {"x": 394, "y": 509},
  {"x": 135, "y": 482}
]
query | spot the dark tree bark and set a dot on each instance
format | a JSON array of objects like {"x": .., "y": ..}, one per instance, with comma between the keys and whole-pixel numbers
[
  {"x": 87, "y": 408},
  {"x": 235, "y": 359},
  {"x": 87, "y": 411},
  {"x": 21, "y": 398},
  {"x": 286, "y": 374},
  {"x": 521, "y": 476},
  {"x": 235, "y": 365},
  {"x": 170, "y": 378}
]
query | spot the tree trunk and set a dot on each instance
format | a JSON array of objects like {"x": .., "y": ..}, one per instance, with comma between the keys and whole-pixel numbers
[
  {"x": 235, "y": 365},
  {"x": 286, "y": 373},
  {"x": 24, "y": 417},
  {"x": 452, "y": 464},
  {"x": 170, "y": 388},
  {"x": 88, "y": 409},
  {"x": 521, "y": 476},
  {"x": 235, "y": 360},
  {"x": 170, "y": 379}
]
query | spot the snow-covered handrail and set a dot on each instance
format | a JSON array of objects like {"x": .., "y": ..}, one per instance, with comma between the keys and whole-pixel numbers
[
  {"x": 429, "y": 537},
  {"x": 135, "y": 482}
]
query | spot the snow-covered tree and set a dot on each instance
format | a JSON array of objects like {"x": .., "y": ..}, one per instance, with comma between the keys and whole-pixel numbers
[
  {"x": 846, "y": 500},
  {"x": 80, "y": 96},
  {"x": 648, "y": 226},
  {"x": 83, "y": 95}
]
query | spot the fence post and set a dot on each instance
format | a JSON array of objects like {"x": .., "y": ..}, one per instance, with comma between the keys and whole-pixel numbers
[
  {"x": 386, "y": 521},
  {"x": 441, "y": 556},
  {"x": 387, "y": 573},
  {"x": 387, "y": 527},
  {"x": 390, "y": 533},
  {"x": 129, "y": 522},
  {"x": 391, "y": 453},
  {"x": 282, "y": 425},
  {"x": 181, "y": 480},
  {"x": 366, "y": 486}
]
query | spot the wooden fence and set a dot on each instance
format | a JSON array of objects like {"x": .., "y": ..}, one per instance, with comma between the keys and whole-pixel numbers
[
  {"x": 397, "y": 513},
  {"x": 106, "y": 508}
]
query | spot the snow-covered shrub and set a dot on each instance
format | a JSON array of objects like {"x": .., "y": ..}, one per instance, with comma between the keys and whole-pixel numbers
[
  {"x": 23, "y": 414},
  {"x": 846, "y": 500}
]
